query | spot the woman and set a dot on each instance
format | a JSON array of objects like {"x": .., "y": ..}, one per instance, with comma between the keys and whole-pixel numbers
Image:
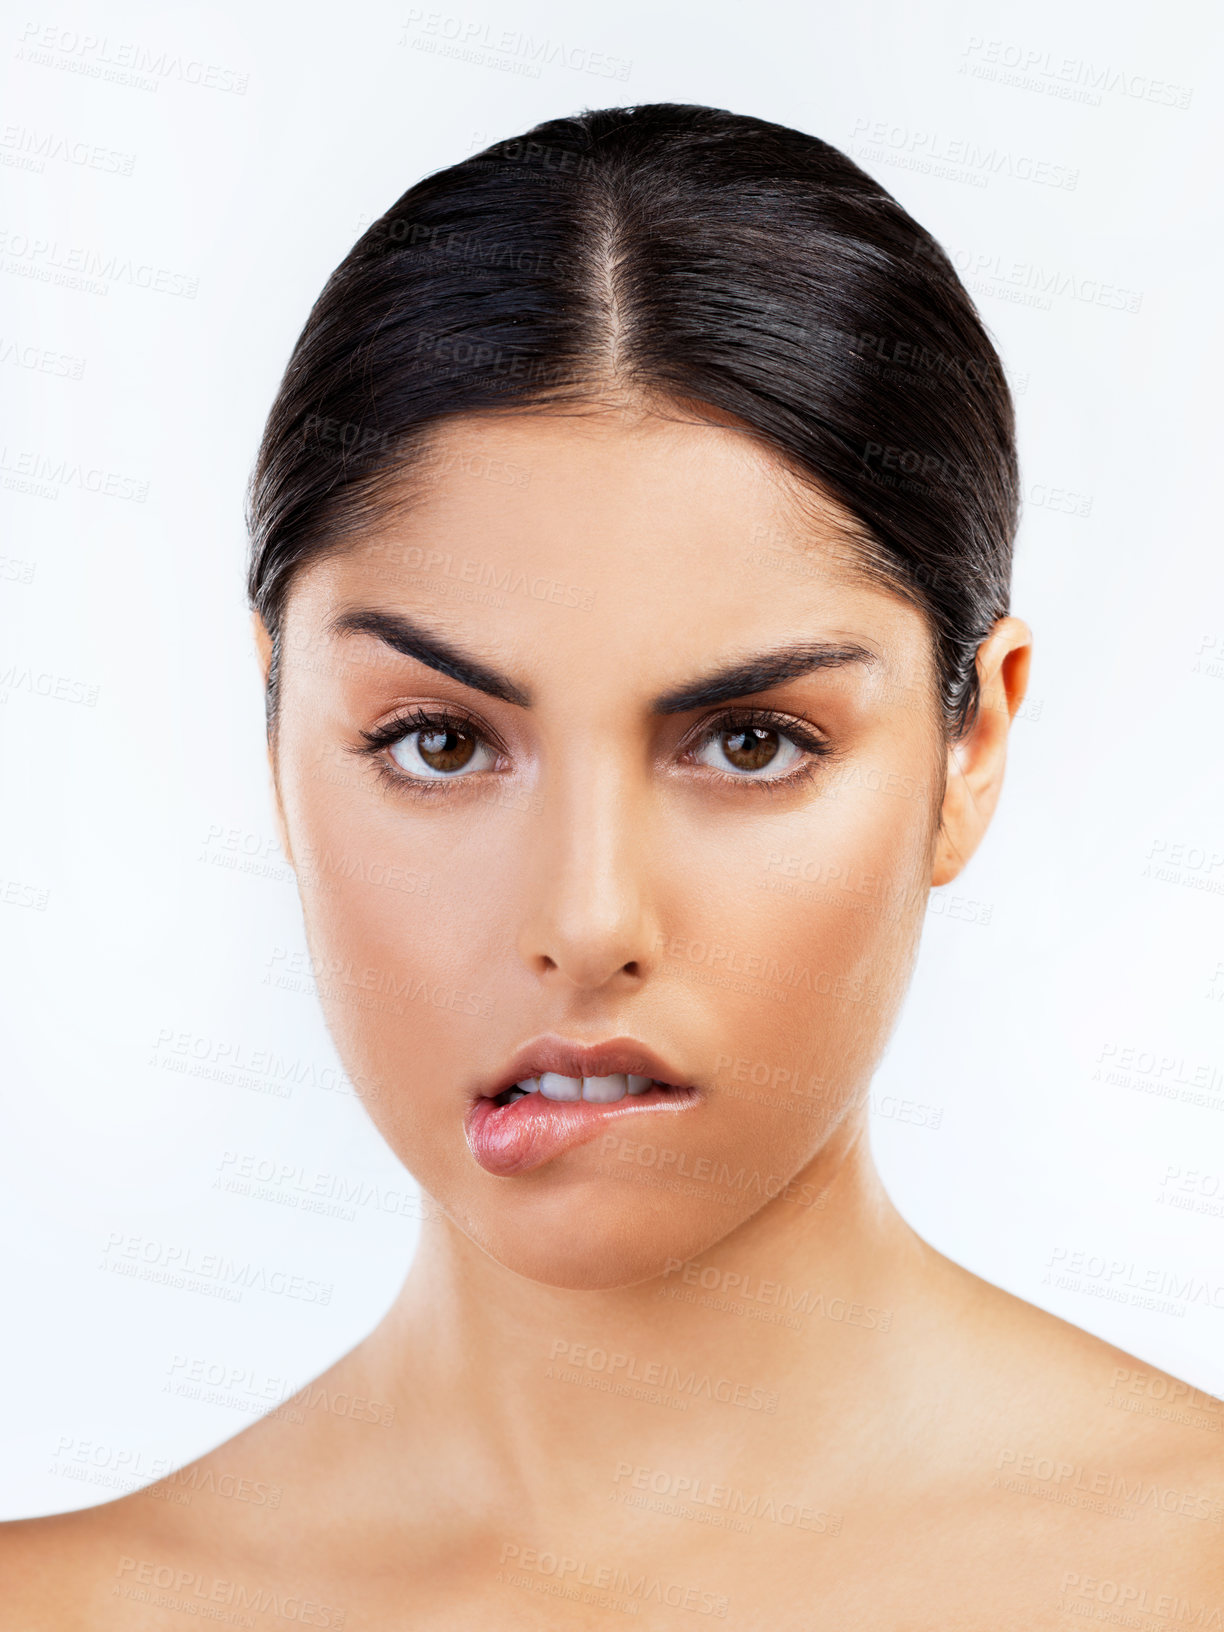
[{"x": 632, "y": 541}]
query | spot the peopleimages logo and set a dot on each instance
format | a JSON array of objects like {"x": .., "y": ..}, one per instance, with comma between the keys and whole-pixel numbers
[
  {"x": 470, "y": 39},
  {"x": 191, "y": 1592},
  {"x": 55, "y": 474},
  {"x": 735, "y": 1289},
  {"x": 1123, "y": 1280},
  {"x": 76, "y": 265},
  {"x": 954, "y": 158},
  {"x": 124, "y": 62},
  {"x": 693, "y": 1490},
  {"x": 632, "y": 1368},
  {"x": 719, "y": 1178},
  {"x": 762, "y": 966},
  {"x": 29, "y": 149},
  {"x": 1127, "y": 1489},
  {"x": 181, "y": 1266},
  {"x": 1077, "y": 79},
  {"x": 608, "y": 1585}
]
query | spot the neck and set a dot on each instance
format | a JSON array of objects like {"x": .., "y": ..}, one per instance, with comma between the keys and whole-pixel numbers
[{"x": 785, "y": 1325}]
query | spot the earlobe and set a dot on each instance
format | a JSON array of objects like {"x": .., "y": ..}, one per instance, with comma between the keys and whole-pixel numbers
[
  {"x": 976, "y": 762},
  {"x": 950, "y": 858}
]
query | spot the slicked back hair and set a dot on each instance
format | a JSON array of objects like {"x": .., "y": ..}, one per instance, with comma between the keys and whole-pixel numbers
[{"x": 664, "y": 252}]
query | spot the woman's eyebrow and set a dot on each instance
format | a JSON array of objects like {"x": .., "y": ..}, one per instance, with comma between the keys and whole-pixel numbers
[
  {"x": 412, "y": 640},
  {"x": 740, "y": 679},
  {"x": 759, "y": 673}
]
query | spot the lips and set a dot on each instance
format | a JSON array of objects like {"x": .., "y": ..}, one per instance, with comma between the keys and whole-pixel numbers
[{"x": 555, "y": 1095}]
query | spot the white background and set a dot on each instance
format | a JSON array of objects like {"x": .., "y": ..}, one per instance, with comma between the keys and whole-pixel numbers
[{"x": 1037, "y": 1101}]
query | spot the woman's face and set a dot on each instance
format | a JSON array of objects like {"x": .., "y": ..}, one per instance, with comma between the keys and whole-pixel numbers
[{"x": 679, "y": 790}]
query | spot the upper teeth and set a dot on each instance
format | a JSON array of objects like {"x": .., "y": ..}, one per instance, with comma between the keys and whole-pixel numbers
[{"x": 596, "y": 1090}]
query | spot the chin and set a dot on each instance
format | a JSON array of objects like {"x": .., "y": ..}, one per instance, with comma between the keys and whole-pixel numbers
[{"x": 596, "y": 1234}]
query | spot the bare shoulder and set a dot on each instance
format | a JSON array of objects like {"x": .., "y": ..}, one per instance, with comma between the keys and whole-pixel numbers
[
  {"x": 65, "y": 1571},
  {"x": 212, "y": 1532},
  {"x": 1117, "y": 1464},
  {"x": 1108, "y": 1397}
]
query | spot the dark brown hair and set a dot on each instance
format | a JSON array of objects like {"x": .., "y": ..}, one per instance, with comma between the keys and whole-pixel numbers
[{"x": 673, "y": 252}]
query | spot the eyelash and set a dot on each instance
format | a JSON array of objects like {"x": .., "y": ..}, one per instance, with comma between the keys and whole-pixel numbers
[
  {"x": 382, "y": 737},
  {"x": 415, "y": 719},
  {"x": 766, "y": 719}
]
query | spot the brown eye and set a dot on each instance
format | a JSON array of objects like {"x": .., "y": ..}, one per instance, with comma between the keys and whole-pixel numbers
[
  {"x": 440, "y": 750},
  {"x": 445, "y": 750},
  {"x": 750, "y": 750}
]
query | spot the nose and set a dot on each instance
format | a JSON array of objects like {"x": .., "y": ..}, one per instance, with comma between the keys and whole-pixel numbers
[{"x": 587, "y": 921}]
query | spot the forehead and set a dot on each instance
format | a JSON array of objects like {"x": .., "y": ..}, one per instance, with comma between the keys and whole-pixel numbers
[{"x": 630, "y": 534}]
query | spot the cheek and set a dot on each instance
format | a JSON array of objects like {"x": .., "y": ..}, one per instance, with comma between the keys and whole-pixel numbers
[
  {"x": 396, "y": 910},
  {"x": 801, "y": 935}
]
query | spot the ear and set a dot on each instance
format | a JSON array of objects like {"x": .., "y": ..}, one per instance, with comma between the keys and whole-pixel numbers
[
  {"x": 263, "y": 651},
  {"x": 263, "y": 645},
  {"x": 976, "y": 762}
]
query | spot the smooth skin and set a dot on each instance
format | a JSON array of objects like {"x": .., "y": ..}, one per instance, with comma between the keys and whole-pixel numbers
[{"x": 729, "y": 1385}]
